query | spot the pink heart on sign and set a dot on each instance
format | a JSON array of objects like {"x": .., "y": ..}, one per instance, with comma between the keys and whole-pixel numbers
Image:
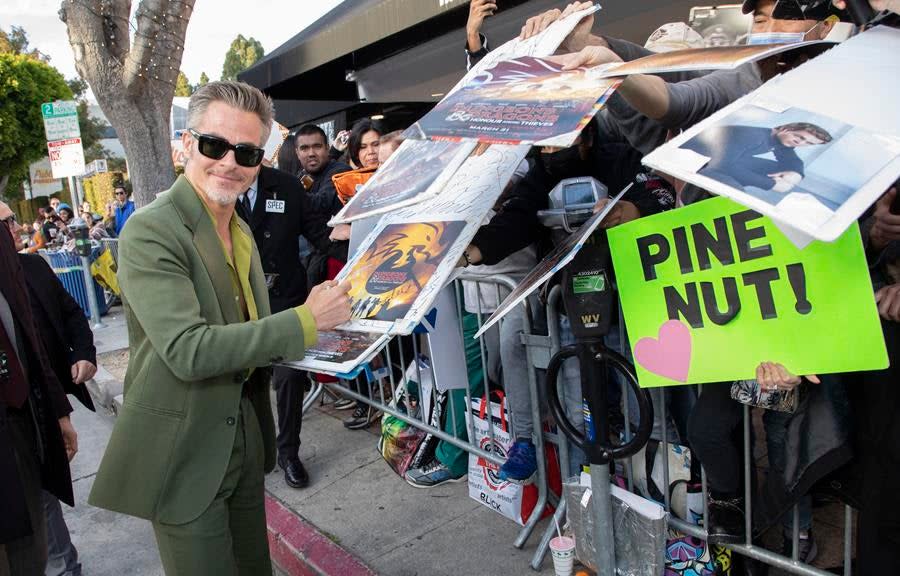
[{"x": 669, "y": 355}]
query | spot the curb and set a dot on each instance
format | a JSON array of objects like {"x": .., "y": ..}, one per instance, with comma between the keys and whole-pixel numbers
[{"x": 299, "y": 549}]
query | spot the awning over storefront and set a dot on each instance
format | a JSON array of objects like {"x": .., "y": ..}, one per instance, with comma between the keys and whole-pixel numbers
[{"x": 390, "y": 51}]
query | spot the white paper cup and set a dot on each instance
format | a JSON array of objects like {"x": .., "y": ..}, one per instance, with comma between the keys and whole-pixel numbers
[{"x": 562, "y": 548}]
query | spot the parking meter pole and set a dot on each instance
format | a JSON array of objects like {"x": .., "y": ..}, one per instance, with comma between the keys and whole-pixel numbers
[
  {"x": 594, "y": 391},
  {"x": 91, "y": 293},
  {"x": 76, "y": 201}
]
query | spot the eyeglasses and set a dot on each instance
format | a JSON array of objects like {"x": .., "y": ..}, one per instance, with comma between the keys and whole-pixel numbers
[
  {"x": 216, "y": 148},
  {"x": 123, "y": 193}
]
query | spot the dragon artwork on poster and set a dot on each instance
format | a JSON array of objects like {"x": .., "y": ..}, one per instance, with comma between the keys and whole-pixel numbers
[{"x": 389, "y": 276}]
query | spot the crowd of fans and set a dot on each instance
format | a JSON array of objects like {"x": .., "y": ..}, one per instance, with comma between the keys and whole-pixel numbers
[
  {"x": 831, "y": 435},
  {"x": 51, "y": 230},
  {"x": 847, "y": 429}
]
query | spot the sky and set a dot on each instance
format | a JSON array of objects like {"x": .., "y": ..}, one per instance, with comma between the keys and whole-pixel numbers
[{"x": 213, "y": 26}]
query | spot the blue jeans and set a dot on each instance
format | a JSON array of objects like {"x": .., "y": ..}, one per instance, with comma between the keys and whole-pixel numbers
[{"x": 62, "y": 557}]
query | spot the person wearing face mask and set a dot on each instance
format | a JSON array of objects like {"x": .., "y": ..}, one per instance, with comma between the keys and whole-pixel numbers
[
  {"x": 516, "y": 225},
  {"x": 645, "y": 103}
]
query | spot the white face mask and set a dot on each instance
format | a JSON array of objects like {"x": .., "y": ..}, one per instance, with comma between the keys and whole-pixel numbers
[
  {"x": 779, "y": 37},
  {"x": 776, "y": 38}
]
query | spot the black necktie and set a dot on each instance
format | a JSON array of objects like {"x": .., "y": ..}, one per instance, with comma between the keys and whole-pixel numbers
[{"x": 245, "y": 207}]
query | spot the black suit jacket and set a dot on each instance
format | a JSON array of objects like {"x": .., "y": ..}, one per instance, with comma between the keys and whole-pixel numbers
[
  {"x": 61, "y": 323},
  {"x": 47, "y": 403},
  {"x": 276, "y": 235}
]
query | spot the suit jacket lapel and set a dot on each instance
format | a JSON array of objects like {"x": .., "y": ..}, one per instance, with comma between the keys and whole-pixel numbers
[{"x": 208, "y": 245}]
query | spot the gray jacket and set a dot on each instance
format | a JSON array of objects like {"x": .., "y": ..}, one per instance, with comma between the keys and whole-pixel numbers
[{"x": 693, "y": 96}]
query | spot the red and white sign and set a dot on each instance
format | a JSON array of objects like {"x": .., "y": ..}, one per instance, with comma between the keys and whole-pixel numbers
[{"x": 66, "y": 157}]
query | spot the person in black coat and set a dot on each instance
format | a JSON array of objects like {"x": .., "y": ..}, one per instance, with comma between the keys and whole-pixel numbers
[
  {"x": 278, "y": 211},
  {"x": 317, "y": 169},
  {"x": 37, "y": 439},
  {"x": 69, "y": 342}
]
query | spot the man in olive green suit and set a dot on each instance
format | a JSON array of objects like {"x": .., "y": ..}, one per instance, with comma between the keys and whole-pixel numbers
[{"x": 196, "y": 435}]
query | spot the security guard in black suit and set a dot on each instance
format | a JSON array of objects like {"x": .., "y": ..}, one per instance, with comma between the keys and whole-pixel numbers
[{"x": 278, "y": 211}]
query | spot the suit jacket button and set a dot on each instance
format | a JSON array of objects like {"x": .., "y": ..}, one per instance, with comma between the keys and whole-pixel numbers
[
  {"x": 267, "y": 234},
  {"x": 229, "y": 421}
]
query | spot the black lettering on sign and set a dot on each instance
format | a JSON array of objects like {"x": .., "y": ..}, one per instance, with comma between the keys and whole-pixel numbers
[
  {"x": 762, "y": 281},
  {"x": 732, "y": 301},
  {"x": 797, "y": 276},
  {"x": 650, "y": 259},
  {"x": 743, "y": 236},
  {"x": 683, "y": 250},
  {"x": 719, "y": 245},
  {"x": 689, "y": 308}
]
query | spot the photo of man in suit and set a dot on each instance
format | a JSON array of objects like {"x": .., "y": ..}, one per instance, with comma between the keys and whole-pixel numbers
[
  {"x": 195, "y": 435},
  {"x": 734, "y": 154}
]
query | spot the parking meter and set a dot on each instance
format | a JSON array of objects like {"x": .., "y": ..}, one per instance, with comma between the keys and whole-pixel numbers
[
  {"x": 81, "y": 233},
  {"x": 589, "y": 304}
]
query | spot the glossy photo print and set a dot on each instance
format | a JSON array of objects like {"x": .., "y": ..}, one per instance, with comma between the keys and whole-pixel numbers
[{"x": 394, "y": 269}]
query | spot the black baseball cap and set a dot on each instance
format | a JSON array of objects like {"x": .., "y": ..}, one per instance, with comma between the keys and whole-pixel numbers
[{"x": 800, "y": 10}]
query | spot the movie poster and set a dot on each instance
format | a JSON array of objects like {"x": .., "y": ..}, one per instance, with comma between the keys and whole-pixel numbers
[
  {"x": 415, "y": 172},
  {"x": 522, "y": 100},
  {"x": 339, "y": 351},
  {"x": 391, "y": 273}
]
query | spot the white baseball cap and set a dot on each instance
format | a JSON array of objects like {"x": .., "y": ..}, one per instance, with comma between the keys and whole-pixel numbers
[{"x": 674, "y": 36}]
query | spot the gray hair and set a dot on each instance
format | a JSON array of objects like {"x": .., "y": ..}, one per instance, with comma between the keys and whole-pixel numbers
[{"x": 238, "y": 95}]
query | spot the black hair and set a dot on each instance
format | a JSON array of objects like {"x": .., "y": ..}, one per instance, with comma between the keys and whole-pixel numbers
[
  {"x": 287, "y": 156},
  {"x": 359, "y": 129},
  {"x": 310, "y": 129}
]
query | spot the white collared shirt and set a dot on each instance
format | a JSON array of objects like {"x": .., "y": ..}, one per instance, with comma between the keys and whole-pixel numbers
[{"x": 251, "y": 193}]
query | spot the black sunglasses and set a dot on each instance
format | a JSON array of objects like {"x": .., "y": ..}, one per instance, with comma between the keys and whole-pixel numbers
[{"x": 216, "y": 148}]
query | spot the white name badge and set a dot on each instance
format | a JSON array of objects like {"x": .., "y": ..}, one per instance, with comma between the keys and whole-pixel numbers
[{"x": 275, "y": 206}]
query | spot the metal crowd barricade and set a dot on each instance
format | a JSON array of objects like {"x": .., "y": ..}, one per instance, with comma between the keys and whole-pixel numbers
[
  {"x": 111, "y": 244},
  {"x": 539, "y": 349},
  {"x": 381, "y": 385},
  {"x": 749, "y": 548}
]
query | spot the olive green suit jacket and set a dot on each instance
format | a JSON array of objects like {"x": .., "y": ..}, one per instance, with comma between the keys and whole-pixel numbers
[{"x": 190, "y": 351}]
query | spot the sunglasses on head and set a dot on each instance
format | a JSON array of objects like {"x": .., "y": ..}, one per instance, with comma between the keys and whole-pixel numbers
[{"x": 216, "y": 148}]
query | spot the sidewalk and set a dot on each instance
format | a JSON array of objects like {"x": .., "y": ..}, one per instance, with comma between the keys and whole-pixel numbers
[{"x": 397, "y": 530}]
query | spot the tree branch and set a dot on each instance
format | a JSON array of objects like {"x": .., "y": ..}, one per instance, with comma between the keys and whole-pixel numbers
[
  {"x": 117, "y": 26},
  {"x": 158, "y": 42}
]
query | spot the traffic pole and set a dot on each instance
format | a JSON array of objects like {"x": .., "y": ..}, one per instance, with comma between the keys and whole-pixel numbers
[{"x": 93, "y": 305}]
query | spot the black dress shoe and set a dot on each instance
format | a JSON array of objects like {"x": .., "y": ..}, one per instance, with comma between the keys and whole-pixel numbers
[
  {"x": 725, "y": 521},
  {"x": 294, "y": 473}
]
